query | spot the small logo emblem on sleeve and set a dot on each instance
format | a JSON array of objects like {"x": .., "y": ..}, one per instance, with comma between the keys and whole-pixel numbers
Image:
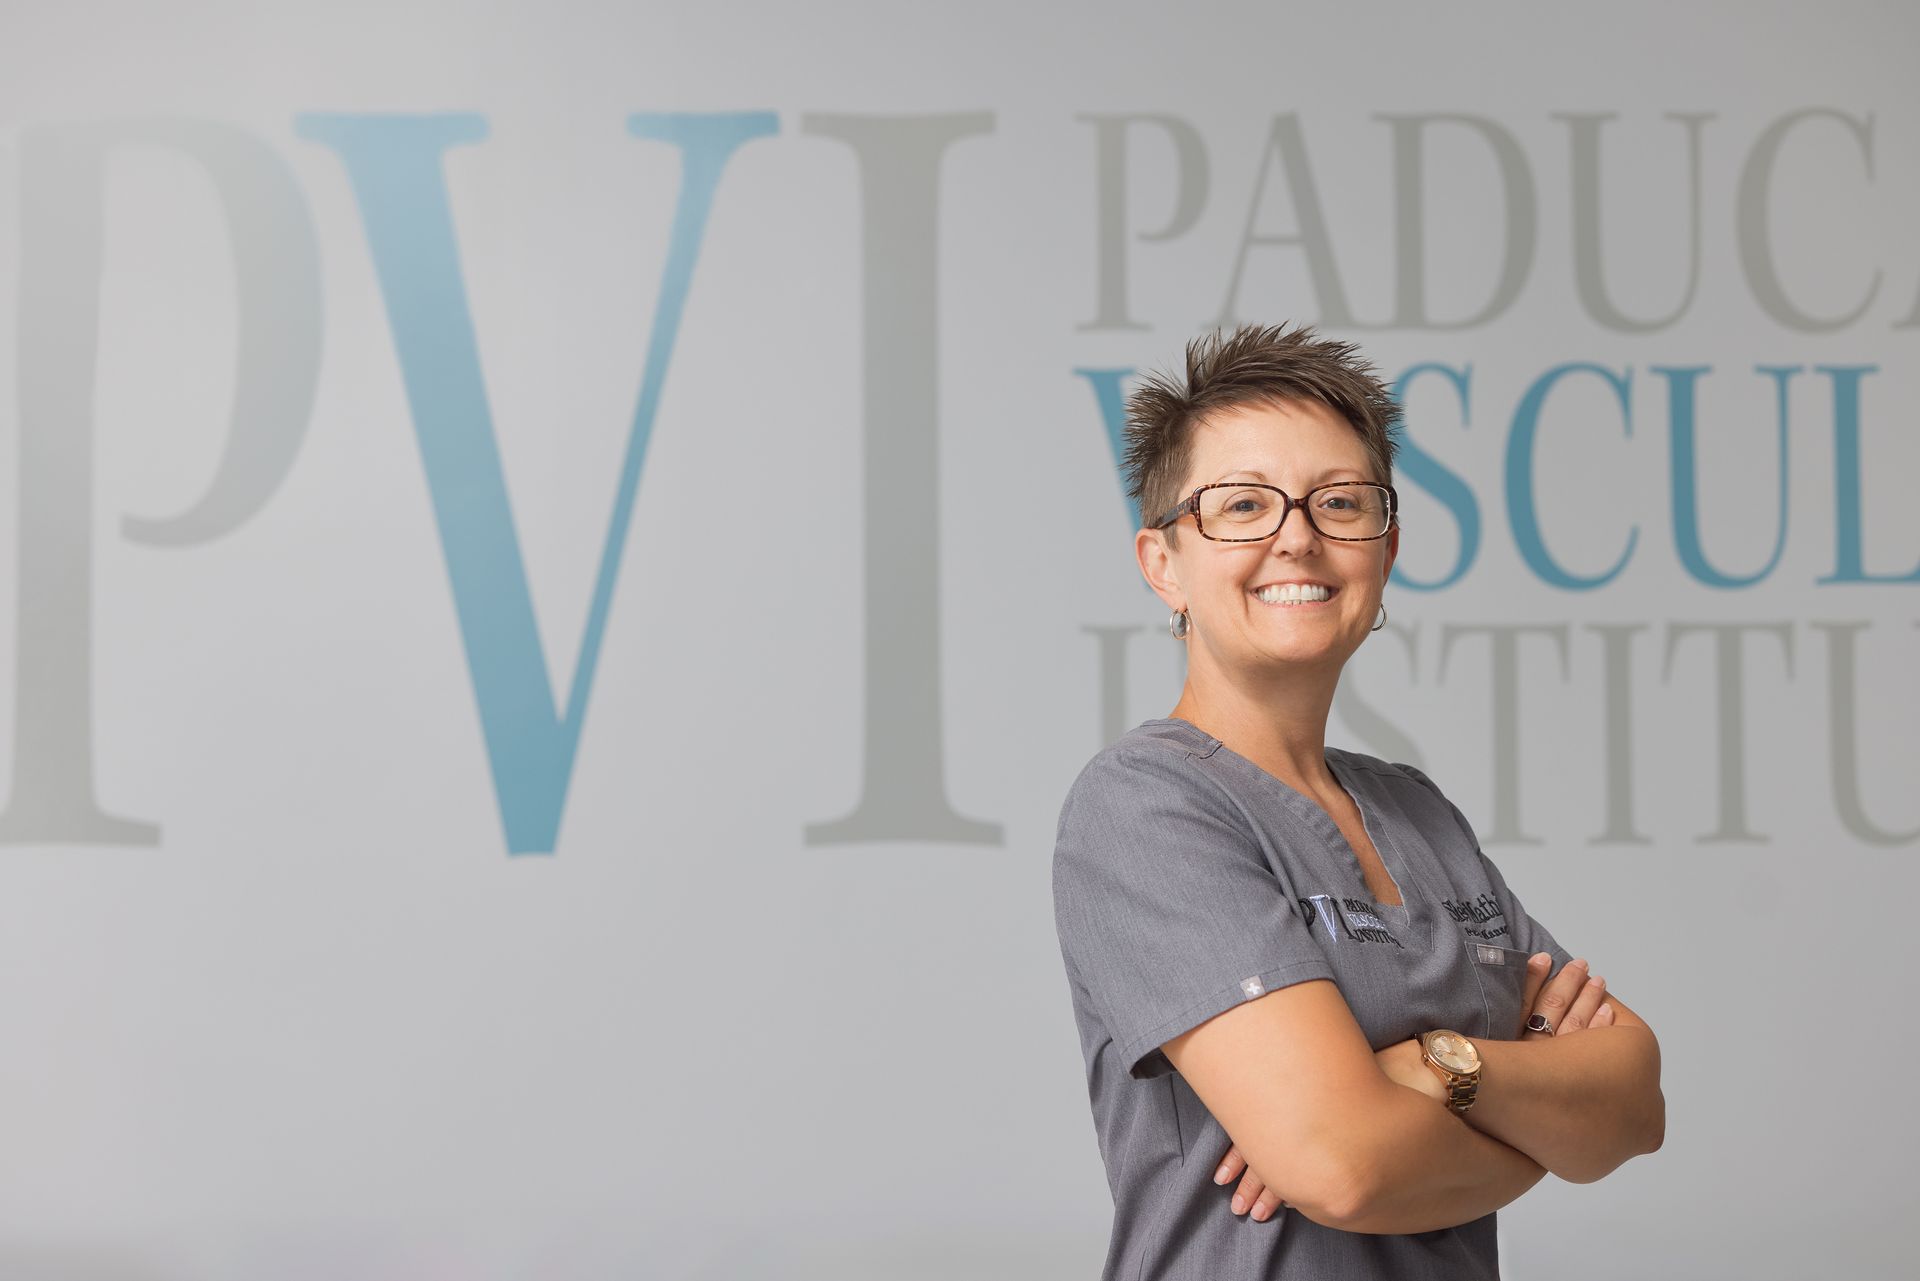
[{"x": 1253, "y": 987}]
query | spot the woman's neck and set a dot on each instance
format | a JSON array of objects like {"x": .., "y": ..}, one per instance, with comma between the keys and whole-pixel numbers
[{"x": 1288, "y": 740}]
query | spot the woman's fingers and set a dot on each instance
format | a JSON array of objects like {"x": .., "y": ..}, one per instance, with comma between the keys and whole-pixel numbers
[
  {"x": 1557, "y": 998},
  {"x": 1251, "y": 1188},
  {"x": 1538, "y": 967},
  {"x": 1252, "y": 1195},
  {"x": 1231, "y": 1166},
  {"x": 1249, "y": 1192},
  {"x": 1603, "y": 1017},
  {"x": 1581, "y": 1013}
]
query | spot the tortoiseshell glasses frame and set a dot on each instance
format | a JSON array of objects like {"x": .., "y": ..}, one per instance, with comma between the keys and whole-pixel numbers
[{"x": 1191, "y": 504}]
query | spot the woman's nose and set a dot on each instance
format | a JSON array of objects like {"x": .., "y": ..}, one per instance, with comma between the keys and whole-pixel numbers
[{"x": 1295, "y": 531}]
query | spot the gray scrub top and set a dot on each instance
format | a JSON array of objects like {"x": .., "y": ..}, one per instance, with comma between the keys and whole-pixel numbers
[{"x": 1187, "y": 879}]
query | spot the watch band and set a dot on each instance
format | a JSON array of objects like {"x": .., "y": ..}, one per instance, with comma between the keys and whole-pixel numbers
[{"x": 1461, "y": 1091}]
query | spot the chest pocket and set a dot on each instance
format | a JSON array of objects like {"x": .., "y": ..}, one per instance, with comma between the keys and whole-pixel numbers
[{"x": 1502, "y": 972}]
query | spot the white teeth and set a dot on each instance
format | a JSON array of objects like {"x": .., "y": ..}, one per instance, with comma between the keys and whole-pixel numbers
[{"x": 1286, "y": 593}]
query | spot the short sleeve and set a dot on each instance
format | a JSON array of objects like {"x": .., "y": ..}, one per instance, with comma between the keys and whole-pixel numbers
[
  {"x": 1527, "y": 934},
  {"x": 1167, "y": 911}
]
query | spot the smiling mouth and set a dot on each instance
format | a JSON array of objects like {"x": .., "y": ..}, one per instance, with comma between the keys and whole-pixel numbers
[{"x": 1293, "y": 595}]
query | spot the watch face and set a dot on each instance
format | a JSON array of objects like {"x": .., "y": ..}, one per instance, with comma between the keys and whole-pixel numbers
[{"x": 1453, "y": 1052}]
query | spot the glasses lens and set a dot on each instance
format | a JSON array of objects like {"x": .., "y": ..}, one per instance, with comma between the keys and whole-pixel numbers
[
  {"x": 1231, "y": 512},
  {"x": 1350, "y": 511}
]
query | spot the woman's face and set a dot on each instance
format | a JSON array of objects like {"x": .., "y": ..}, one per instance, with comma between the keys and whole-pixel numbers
[{"x": 1295, "y": 447}]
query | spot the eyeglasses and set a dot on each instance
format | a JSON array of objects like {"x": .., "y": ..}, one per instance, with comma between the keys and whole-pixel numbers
[{"x": 1350, "y": 511}]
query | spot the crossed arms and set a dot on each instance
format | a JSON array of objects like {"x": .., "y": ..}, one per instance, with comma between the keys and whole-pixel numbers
[{"x": 1349, "y": 1145}]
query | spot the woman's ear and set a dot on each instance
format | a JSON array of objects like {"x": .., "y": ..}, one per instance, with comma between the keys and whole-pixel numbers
[{"x": 1156, "y": 566}]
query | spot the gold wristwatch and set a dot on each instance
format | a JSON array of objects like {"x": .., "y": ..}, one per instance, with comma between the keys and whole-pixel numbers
[{"x": 1457, "y": 1060}]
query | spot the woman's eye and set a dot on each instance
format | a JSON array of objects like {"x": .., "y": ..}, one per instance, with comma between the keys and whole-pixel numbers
[{"x": 1332, "y": 499}]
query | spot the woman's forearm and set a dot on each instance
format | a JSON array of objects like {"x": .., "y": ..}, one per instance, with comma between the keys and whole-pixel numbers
[
  {"x": 1579, "y": 1105},
  {"x": 1425, "y": 1168}
]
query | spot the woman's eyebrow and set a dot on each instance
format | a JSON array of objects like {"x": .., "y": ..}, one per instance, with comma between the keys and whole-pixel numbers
[{"x": 1325, "y": 475}]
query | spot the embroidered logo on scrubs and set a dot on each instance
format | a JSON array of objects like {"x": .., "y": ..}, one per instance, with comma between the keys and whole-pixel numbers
[
  {"x": 1348, "y": 918},
  {"x": 1253, "y": 987}
]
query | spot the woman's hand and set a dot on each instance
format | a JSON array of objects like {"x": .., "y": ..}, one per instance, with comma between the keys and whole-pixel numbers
[
  {"x": 1571, "y": 1000},
  {"x": 1252, "y": 1195}
]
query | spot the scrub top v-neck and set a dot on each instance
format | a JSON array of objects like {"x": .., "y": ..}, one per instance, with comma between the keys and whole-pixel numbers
[
  {"x": 1188, "y": 879},
  {"x": 1316, "y": 819}
]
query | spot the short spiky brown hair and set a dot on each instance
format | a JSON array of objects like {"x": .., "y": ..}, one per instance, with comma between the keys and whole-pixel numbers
[{"x": 1255, "y": 364}]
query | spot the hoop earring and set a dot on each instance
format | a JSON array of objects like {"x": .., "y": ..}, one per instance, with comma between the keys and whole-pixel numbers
[
  {"x": 1179, "y": 624},
  {"x": 1383, "y": 618}
]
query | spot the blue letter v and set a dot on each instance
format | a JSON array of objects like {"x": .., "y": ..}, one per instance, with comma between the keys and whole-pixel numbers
[{"x": 393, "y": 163}]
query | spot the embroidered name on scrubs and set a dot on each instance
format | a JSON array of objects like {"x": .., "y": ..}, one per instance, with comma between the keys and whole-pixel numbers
[{"x": 1478, "y": 917}]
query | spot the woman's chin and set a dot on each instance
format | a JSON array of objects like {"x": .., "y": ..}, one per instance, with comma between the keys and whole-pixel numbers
[{"x": 1303, "y": 651}]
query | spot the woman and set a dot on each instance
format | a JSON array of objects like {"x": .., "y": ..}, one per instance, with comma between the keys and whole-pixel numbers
[{"x": 1291, "y": 965}]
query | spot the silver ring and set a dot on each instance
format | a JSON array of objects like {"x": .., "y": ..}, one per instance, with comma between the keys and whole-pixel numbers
[{"x": 1538, "y": 1023}]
